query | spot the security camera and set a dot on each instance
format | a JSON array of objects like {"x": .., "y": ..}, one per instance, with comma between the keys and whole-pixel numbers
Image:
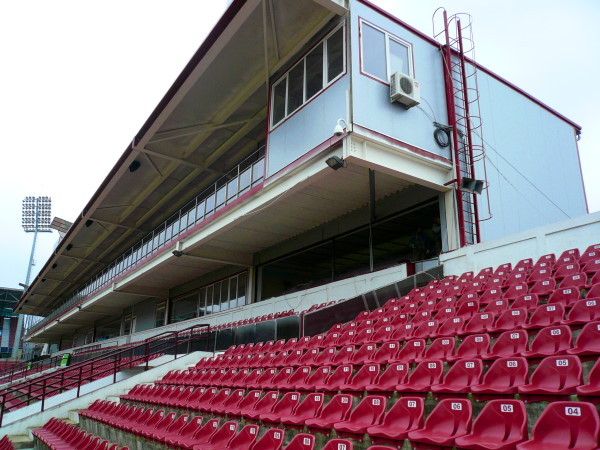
[{"x": 339, "y": 130}]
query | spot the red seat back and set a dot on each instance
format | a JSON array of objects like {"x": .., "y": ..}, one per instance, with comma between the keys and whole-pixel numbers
[{"x": 271, "y": 440}]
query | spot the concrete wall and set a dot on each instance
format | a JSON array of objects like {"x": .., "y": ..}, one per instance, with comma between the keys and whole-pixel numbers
[{"x": 554, "y": 238}]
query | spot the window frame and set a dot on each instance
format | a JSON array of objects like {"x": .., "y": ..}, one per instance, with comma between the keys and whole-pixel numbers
[
  {"x": 387, "y": 36},
  {"x": 324, "y": 75}
]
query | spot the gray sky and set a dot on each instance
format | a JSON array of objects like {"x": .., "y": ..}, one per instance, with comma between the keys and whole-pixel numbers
[{"x": 79, "y": 79}]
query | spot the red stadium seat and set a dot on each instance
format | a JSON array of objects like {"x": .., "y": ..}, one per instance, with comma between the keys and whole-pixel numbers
[
  {"x": 577, "y": 280},
  {"x": 479, "y": 323},
  {"x": 426, "y": 374},
  {"x": 344, "y": 356},
  {"x": 300, "y": 376},
  {"x": 550, "y": 341},
  {"x": 280, "y": 379},
  {"x": 367, "y": 413},
  {"x": 509, "y": 343},
  {"x": 497, "y": 306},
  {"x": 404, "y": 416},
  {"x": 263, "y": 406},
  {"x": 365, "y": 376},
  {"x": 500, "y": 426},
  {"x": 271, "y": 440},
  {"x": 284, "y": 407},
  {"x": 588, "y": 341},
  {"x": 341, "y": 375},
  {"x": 309, "y": 408},
  {"x": 412, "y": 350},
  {"x": 516, "y": 290},
  {"x": 546, "y": 315},
  {"x": 263, "y": 378},
  {"x": 467, "y": 309},
  {"x": 472, "y": 346},
  {"x": 325, "y": 357},
  {"x": 538, "y": 274},
  {"x": 592, "y": 387},
  {"x": 301, "y": 441},
  {"x": 556, "y": 375},
  {"x": 462, "y": 375},
  {"x": 201, "y": 436},
  {"x": 510, "y": 319},
  {"x": 248, "y": 402},
  {"x": 221, "y": 438},
  {"x": 594, "y": 291},
  {"x": 563, "y": 425},
  {"x": 451, "y": 327},
  {"x": 592, "y": 267},
  {"x": 565, "y": 296},
  {"x": 543, "y": 288},
  {"x": 444, "y": 313},
  {"x": 386, "y": 353},
  {"x": 451, "y": 418},
  {"x": 337, "y": 410},
  {"x": 504, "y": 377},
  {"x": 317, "y": 378},
  {"x": 564, "y": 270},
  {"x": 583, "y": 311},
  {"x": 426, "y": 330},
  {"x": 363, "y": 354},
  {"x": 528, "y": 301},
  {"x": 387, "y": 381},
  {"x": 338, "y": 444},
  {"x": 440, "y": 348},
  {"x": 232, "y": 401},
  {"x": 491, "y": 295}
]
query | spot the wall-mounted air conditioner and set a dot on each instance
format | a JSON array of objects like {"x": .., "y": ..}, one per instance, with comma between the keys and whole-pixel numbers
[{"x": 405, "y": 90}]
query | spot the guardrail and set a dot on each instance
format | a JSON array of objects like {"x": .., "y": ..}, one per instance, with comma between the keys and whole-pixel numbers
[
  {"x": 226, "y": 189},
  {"x": 177, "y": 343},
  {"x": 28, "y": 367}
]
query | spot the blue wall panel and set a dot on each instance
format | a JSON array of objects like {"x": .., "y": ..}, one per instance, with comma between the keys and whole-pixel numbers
[
  {"x": 308, "y": 127},
  {"x": 371, "y": 98}
]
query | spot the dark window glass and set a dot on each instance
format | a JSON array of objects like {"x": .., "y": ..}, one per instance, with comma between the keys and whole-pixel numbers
[
  {"x": 279, "y": 101},
  {"x": 398, "y": 57},
  {"x": 241, "y": 289},
  {"x": 335, "y": 54},
  {"x": 295, "y": 88},
  {"x": 184, "y": 308},
  {"x": 314, "y": 71}
]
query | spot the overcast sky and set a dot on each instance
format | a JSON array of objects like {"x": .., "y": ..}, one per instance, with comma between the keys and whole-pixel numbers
[{"x": 79, "y": 78}]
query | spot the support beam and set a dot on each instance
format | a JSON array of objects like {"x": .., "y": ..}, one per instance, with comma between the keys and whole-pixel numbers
[
  {"x": 141, "y": 291},
  {"x": 194, "y": 129},
  {"x": 221, "y": 261},
  {"x": 179, "y": 160}
]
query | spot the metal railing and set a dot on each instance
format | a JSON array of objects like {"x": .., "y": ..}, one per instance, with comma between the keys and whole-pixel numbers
[
  {"x": 28, "y": 368},
  {"x": 72, "y": 377},
  {"x": 225, "y": 190}
]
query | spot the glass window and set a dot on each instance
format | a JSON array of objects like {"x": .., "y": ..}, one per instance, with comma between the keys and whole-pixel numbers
[
  {"x": 241, "y": 294},
  {"x": 335, "y": 54},
  {"x": 314, "y": 71},
  {"x": 295, "y": 88},
  {"x": 184, "y": 308},
  {"x": 209, "y": 299},
  {"x": 383, "y": 54},
  {"x": 245, "y": 179},
  {"x": 233, "y": 292},
  {"x": 279, "y": 101},
  {"x": 373, "y": 52},
  {"x": 398, "y": 57},
  {"x": 202, "y": 303},
  {"x": 161, "y": 309}
]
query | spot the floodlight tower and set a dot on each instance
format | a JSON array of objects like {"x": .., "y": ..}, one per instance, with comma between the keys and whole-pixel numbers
[{"x": 36, "y": 213}]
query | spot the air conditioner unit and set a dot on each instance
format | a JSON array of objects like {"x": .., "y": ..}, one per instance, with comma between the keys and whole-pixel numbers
[{"x": 405, "y": 90}]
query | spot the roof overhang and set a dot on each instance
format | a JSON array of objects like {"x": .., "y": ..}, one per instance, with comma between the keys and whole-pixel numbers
[{"x": 212, "y": 116}]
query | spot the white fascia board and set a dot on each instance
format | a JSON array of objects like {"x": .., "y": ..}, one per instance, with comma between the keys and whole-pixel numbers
[
  {"x": 398, "y": 161},
  {"x": 337, "y": 6}
]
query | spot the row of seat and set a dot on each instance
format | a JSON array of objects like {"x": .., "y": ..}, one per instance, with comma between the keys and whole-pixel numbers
[
  {"x": 547, "y": 342},
  {"x": 59, "y": 435},
  {"x": 6, "y": 444},
  {"x": 502, "y": 423},
  {"x": 191, "y": 433},
  {"x": 252, "y": 320}
]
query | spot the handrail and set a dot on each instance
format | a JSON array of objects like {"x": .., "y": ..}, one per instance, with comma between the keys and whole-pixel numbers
[
  {"x": 54, "y": 383},
  {"x": 24, "y": 368},
  {"x": 239, "y": 180}
]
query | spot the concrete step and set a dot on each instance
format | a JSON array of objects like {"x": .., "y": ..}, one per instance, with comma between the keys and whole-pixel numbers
[
  {"x": 112, "y": 398},
  {"x": 21, "y": 441},
  {"x": 74, "y": 416}
]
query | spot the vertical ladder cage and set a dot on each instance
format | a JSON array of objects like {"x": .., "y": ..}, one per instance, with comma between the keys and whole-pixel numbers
[{"x": 457, "y": 48}]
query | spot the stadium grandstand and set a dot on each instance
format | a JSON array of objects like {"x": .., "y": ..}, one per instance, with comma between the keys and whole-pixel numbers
[{"x": 311, "y": 244}]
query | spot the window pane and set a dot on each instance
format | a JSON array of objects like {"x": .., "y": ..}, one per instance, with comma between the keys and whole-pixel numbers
[
  {"x": 279, "y": 101},
  {"x": 295, "y": 88},
  {"x": 224, "y": 295},
  {"x": 335, "y": 54},
  {"x": 233, "y": 292},
  {"x": 184, "y": 308},
  {"x": 314, "y": 71},
  {"x": 373, "y": 52},
  {"x": 398, "y": 57},
  {"x": 241, "y": 290},
  {"x": 245, "y": 179},
  {"x": 202, "y": 303},
  {"x": 209, "y": 299}
]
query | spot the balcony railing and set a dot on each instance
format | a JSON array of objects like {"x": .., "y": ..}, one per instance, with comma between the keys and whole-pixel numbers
[{"x": 225, "y": 190}]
